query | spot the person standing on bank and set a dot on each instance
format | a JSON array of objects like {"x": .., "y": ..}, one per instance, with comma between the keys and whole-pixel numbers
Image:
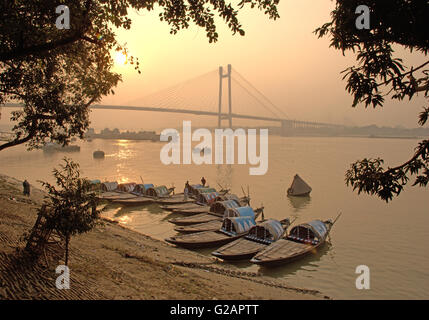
[
  {"x": 185, "y": 192},
  {"x": 203, "y": 181},
  {"x": 26, "y": 186}
]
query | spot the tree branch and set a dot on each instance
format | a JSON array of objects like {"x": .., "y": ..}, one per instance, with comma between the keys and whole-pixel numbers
[
  {"x": 78, "y": 35},
  {"x": 416, "y": 155},
  {"x": 16, "y": 142}
]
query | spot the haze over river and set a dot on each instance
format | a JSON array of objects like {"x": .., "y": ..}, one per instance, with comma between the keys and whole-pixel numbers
[{"x": 391, "y": 239}]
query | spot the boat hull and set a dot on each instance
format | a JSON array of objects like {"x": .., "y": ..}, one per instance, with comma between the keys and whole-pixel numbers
[
  {"x": 240, "y": 249},
  {"x": 134, "y": 201},
  {"x": 207, "y": 239},
  {"x": 283, "y": 252},
  {"x": 192, "y": 211},
  {"x": 195, "y": 219},
  {"x": 200, "y": 227}
]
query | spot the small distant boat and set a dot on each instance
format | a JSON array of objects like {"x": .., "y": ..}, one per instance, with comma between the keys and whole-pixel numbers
[
  {"x": 216, "y": 223},
  {"x": 299, "y": 187},
  {"x": 301, "y": 241},
  {"x": 232, "y": 229},
  {"x": 259, "y": 237},
  {"x": 98, "y": 154}
]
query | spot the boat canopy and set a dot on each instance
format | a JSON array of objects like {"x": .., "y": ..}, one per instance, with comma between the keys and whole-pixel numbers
[
  {"x": 266, "y": 232},
  {"x": 208, "y": 198},
  {"x": 222, "y": 206},
  {"x": 160, "y": 191},
  {"x": 195, "y": 187},
  {"x": 237, "y": 225},
  {"x": 206, "y": 190},
  {"x": 232, "y": 197},
  {"x": 96, "y": 181},
  {"x": 240, "y": 212},
  {"x": 109, "y": 186},
  {"x": 142, "y": 188},
  {"x": 298, "y": 187},
  {"x": 312, "y": 232},
  {"x": 127, "y": 187}
]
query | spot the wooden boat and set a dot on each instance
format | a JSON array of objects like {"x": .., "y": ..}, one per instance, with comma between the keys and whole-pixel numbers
[
  {"x": 232, "y": 229},
  {"x": 301, "y": 241},
  {"x": 159, "y": 192},
  {"x": 192, "y": 210},
  {"x": 112, "y": 196},
  {"x": 127, "y": 187},
  {"x": 204, "y": 200},
  {"x": 109, "y": 186},
  {"x": 198, "y": 189},
  {"x": 193, "y": 204},
  {"x": 259, "y": 237},
  {"x": 174, "y": 200},
  {"x": 299, "y": 187},
  {"x": 216, "y": 223},
  {"x": 184, "y": 205},
  {"x": 200, "y": 227},
  {"x": 207, "y": 200},
  {"x": 137, "y": 201},
  {"x": 217, "y": 207}
]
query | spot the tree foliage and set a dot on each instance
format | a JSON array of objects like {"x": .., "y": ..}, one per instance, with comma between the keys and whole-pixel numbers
[
  {"x": 379, "y": 74},
  {"x": 58, "y": 73},
  {"x": 72, "y": 206}
]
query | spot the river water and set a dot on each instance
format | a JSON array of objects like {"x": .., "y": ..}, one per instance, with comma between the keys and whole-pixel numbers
[{"x": 388, "y": 238}]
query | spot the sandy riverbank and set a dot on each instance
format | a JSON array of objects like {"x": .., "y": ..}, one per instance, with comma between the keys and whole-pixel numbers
[{"x": 113, "y": 262}]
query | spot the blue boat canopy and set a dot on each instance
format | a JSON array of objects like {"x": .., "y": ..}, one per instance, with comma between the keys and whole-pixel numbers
[
  {"x": 148, "y": 185},
  {"x": 267, "y": 231},
  {"x": 319, "y": 227},
  {"x": 208, "y": 198},
  {"x": 237, "y": 225},
  {"x": 311, "y": 232},
  {"x": 223, "y": 206},
  {"x": 240, "y": 212}
]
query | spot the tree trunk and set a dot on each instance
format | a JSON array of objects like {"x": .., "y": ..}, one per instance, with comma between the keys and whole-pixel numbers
[{"x": 67, "y": 250}]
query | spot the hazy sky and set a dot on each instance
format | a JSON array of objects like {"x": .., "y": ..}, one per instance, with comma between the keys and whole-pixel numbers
[{"x": 282, "y": 58}]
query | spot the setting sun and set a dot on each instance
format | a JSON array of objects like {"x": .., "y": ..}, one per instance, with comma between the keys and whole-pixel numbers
[{"x": 121, "y": 58}]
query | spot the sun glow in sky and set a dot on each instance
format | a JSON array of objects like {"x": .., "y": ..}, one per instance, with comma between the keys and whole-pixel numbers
[
  {"x": 120, "y": 58},
  {"x": 284, "y": 59}
]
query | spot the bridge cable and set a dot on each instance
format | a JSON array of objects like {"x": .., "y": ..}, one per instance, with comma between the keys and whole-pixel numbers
[{"x": 260, "y": 93}]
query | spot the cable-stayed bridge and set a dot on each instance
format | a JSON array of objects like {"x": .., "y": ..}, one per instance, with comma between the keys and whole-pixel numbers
[{"x": 222, "y": 93}]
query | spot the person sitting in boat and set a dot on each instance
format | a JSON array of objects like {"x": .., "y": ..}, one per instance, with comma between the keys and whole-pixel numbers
[{"x": 203, "y": 181}]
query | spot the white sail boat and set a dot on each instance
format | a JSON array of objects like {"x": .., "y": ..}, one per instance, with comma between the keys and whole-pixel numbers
[{"x": 298, "y": 187}]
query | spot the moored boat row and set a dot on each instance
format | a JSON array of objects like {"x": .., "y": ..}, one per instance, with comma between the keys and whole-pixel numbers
[{"x": 216, "y": 219}]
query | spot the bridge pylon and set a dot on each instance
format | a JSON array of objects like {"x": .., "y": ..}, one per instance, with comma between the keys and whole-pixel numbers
[{"x": 229, "y": 115}]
